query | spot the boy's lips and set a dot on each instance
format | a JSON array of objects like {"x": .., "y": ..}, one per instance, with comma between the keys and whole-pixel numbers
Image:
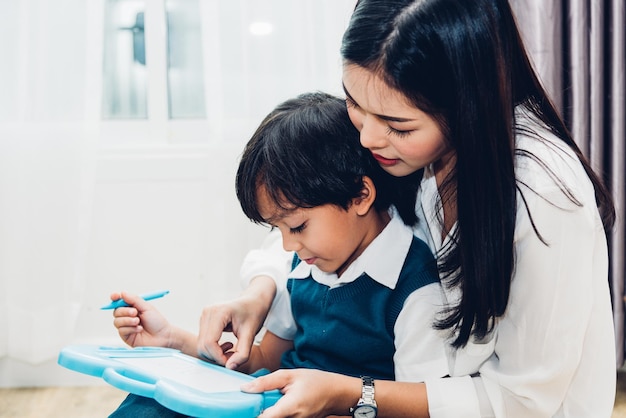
[
  {"x": 310, "y": 260},
  {"x": 385, "y": 161}
]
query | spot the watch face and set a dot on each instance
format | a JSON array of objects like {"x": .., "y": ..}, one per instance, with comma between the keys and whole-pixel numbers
[{"x": 364, "y": 411}]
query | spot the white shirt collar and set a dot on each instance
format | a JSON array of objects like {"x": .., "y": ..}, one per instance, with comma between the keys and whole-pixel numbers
[
  {"x": 382, "y": 260},
  {"x": 428, "y": 196}
]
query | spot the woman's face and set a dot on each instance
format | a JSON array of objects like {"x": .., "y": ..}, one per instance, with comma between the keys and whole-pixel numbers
[{"x": 401, "y": 137}]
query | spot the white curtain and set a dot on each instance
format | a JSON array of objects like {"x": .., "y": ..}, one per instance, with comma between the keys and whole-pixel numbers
[
  {"x": 44, "y": 150},
  {"x": 89, "y": 206}
]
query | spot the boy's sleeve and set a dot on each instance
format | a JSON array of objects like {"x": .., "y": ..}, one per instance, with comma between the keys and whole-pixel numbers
[{"x": 280, "y": 320}]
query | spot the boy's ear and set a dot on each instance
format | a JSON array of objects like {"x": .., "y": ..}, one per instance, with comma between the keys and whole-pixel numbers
[{"x": 366, "y": 199}]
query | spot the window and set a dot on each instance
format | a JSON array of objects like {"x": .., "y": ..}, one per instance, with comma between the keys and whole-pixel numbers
[
  {"x": 184, "y": 60},
  {"x": 126, "y": 70},
  {"x": 205, "y": 71},
  {"x": 125, "y": 78}
]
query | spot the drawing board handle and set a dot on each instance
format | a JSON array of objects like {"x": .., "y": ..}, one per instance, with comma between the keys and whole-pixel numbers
[{"x": 133, "y": 382}]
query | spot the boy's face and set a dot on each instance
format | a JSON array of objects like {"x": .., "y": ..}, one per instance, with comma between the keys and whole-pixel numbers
[{"x": 326, "y": 236}]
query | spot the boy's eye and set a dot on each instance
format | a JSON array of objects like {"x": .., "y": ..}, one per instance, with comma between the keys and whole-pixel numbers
[{"x": 298, "y": 229}]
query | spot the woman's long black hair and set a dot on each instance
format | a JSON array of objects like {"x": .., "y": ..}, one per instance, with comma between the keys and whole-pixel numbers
[{"x": 463, "y": 62}]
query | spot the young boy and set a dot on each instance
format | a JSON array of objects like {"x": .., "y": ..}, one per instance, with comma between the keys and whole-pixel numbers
[
  {"x": 359, "y": 277},
  {"x": 305, "y": 173}
]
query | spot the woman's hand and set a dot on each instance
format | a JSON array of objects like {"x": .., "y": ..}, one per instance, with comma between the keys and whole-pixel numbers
[
  {"x": 243, "y": 317},
  {"x": 307, "y": 393},
  {"x": 140, "y": 324}
]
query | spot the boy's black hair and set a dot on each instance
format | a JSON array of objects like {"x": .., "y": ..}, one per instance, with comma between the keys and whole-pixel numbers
[{"x": 307, "y": 153}]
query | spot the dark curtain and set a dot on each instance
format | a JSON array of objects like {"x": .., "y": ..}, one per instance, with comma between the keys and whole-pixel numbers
[{"x": 578, "y": 48}]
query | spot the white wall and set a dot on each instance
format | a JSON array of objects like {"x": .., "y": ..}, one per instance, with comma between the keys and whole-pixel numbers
[{"x": 88, "y": 206}]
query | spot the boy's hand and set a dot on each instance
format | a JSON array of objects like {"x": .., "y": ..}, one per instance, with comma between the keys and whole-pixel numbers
[{"x": 140, "y": 324}]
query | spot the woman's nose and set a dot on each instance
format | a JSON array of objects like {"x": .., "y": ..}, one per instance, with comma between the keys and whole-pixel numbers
[{"x": 372, "y": 134}]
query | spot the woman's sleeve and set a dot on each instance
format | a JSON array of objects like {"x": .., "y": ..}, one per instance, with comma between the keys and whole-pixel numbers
[
  {"x": 420, "y": 348},
  {"x": 552, "y": 354},
  {"x": 270, "y": 259}
]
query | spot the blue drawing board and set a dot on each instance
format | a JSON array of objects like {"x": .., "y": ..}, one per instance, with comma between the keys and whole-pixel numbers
[{"x": 179, "y": 382}]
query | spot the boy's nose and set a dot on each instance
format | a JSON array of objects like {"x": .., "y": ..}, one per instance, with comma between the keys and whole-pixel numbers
[{"x": 291, "y": 244}]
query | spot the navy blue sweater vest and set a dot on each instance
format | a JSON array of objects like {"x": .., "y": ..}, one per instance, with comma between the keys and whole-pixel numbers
[{"x": 350, "y": 329}]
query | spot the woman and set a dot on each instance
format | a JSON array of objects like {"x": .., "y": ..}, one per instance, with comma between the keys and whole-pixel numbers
[{"x": 507, "y": 203}]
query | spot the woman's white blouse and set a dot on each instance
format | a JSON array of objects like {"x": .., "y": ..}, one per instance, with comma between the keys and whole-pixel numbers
[{"x": 552, "y": 354}]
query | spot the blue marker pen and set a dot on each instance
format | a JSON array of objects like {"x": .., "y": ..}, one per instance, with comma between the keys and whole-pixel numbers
[{"x": 148, "y": 296}]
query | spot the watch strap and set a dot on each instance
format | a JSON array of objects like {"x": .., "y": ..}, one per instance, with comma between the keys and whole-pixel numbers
[
  {"x": 367, "y": 391},
  {"x": 367, "y": 397}
]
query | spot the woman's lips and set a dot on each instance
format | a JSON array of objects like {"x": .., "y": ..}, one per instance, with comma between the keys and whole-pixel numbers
[{"x": 385, "y": 161}]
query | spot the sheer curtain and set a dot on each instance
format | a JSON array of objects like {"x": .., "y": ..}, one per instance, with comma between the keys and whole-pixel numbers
[
  {"x": 90, "y": 205},
  {"x": 578, "y": 47},
  {"x": 44, "y": 152}
]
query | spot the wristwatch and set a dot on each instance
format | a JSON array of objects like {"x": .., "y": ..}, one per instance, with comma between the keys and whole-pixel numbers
[{"x": 366, "y": 407}]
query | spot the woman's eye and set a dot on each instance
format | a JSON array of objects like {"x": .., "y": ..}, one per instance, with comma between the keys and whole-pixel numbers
[
  {"x": 298, "y": 229},
  {"x": 397, "y": 132},
  {"x": 350, "y": 102}
]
